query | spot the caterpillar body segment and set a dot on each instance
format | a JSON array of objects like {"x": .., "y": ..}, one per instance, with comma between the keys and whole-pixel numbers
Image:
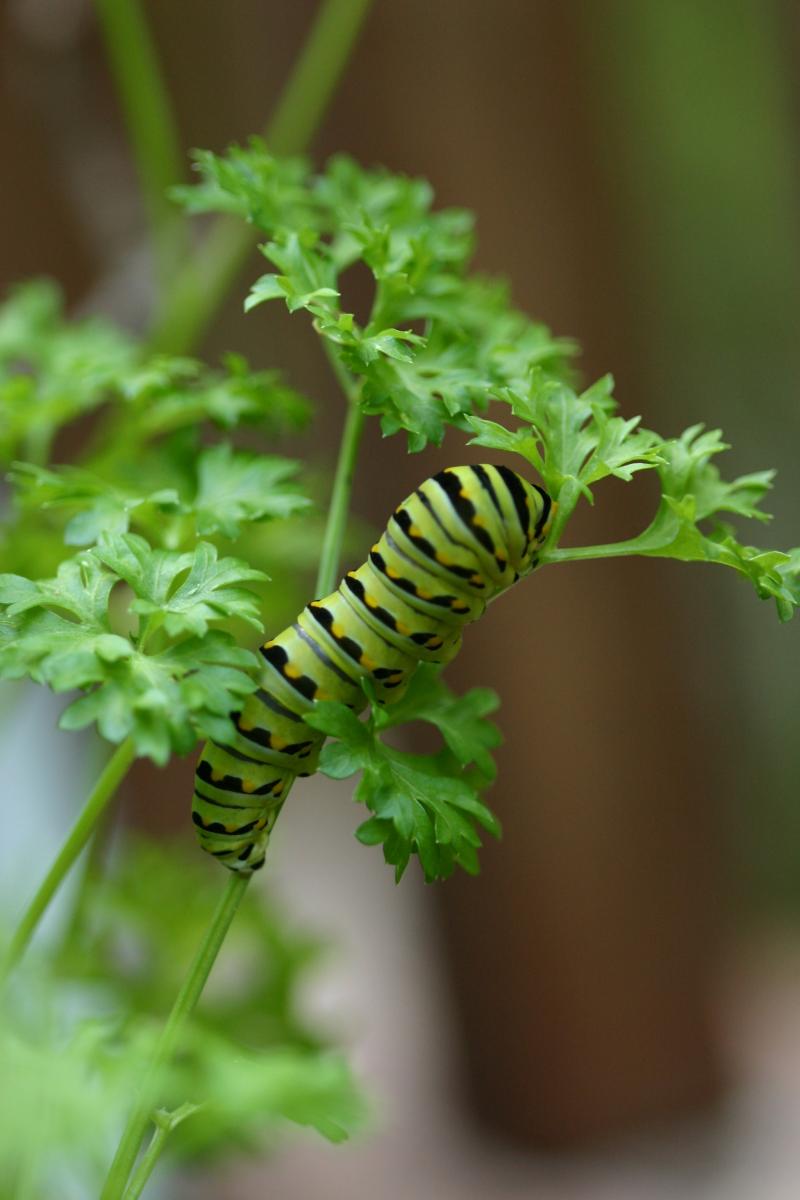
[{"x": 462, "y": 538}]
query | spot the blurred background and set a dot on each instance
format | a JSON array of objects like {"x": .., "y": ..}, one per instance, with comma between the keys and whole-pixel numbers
[{"x": 612, "y": 1008}]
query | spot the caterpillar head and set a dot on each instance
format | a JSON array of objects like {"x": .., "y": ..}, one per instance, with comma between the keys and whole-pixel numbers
[{"x": 539, "y": 510}]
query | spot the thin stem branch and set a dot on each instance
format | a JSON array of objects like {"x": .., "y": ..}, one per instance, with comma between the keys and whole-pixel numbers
[
  {"x": 198, "y": 290},
  {"x": 582, "y": 553},
  {"x": 183, "y": 1007},
  {"x": 150, "y": 122},
  {"x": 147, "y": 1162},
  {"x": 110, "y": 778}
]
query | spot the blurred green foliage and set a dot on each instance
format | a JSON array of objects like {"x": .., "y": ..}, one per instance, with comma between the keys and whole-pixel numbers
[{"x": 78, "y": 1030}]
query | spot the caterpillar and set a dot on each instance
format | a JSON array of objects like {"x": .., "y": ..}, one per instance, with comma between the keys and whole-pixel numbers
[{"x": 463, "y": 537}]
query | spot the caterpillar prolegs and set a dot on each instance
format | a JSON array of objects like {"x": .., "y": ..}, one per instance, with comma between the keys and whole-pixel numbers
[{"x": 463, "y": 537}]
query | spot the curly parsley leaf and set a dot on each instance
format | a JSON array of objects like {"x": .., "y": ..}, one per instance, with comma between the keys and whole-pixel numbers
[
  {"x": 230, "y": 488},
  {"x": 235, "y": 487},
  {"x": 167, "y": 394},
  {"x": 423, "y": 804},
  {"x": 419, "y": 380},
  {"x": 461, "y": 720},
  {"x": 60, "y": 632},
  {"x": 102, "y": 506},
  {"x": 572, "y": 440},
  {"x": 693, "y": 494},
  {"x": 209, "y": 592},
  {"x": 52, "y": 370}
]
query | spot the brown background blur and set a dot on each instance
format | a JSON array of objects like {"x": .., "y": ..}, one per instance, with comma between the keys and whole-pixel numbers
[{"x": 634, "y": 168}]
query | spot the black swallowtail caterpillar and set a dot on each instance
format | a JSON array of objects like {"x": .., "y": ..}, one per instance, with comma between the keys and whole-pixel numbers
[{"x": 463, "y": 537}]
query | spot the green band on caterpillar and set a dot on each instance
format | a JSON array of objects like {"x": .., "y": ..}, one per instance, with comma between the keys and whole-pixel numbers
[{"x": 463, "y": 537}]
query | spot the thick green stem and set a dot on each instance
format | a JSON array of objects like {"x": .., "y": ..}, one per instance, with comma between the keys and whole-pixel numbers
[
  {"x": 112, "y": 775},
  {"x": 198, "y": 290},
  {"x": 183, "y": 1007},
  {"x": 150, "y": 123},
  {"x": 340, "y": 501}
]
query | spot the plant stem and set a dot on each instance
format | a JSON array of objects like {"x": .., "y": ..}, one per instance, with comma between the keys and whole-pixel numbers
[
  {"x": 183, "y": 1007},
  {"x": 110, "y": 778},
  {"x": 340, "y": 496},
  {"x": 147, "y": 1163},
  {"x": 581, "y": 553},
  {"x": 198, "y": 290},
  {"x": 150, "y": 123}
]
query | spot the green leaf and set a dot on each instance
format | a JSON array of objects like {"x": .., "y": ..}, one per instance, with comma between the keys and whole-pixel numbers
[
  {"x": 208, "y": 593},
  {"x": 461, "y": 720},
  {"x": 102, "y": 506},
  {"x": 169, "y": 394},
  {"x": 235, "y": 487},
  {"x": 693, "y": 492},
  {"x": 52, "y": 371},
  {"x": 572, "y": 440},
  {"x": 59, "y": 632},
  {"x": 421, "y": 804}
]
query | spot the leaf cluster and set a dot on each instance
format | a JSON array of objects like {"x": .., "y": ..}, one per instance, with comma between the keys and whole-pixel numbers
[
  {"x": 426, "y": 805},
  {"x": 151, "y": 666},
  {"x": 575, "y": 440},
  {"x": 438, "y": 342},
  {"x": 146, "y": 465}
]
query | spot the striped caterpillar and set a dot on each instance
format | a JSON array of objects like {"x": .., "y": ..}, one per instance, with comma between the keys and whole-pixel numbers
[{"x": 463, "y": 537}]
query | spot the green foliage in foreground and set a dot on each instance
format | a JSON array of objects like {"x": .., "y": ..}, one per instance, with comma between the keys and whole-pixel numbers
[{"x": 248, "y": 1064}]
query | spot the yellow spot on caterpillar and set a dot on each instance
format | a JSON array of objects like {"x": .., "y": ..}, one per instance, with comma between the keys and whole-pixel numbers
[
  {"x": 464, "y": 493},
  {"x": 414, "y": 531},
  {"x": 501, "y": 555},
  {"x": 246, "y": 725},
  {"x": 318, "y": 695},
  {"x": 267, "y": 645},
  {"x": 443, "y": 559},
  {"x": 423, "y": 595},
  {"x": 368, "y": 662},
  {"x": 375, "y": 548},
  {"x": 217, "y": 775},
  {"x": 478, "y": 520},
  {"x": 371, "y": 601},
  {"x": 248, "y": 785},
  {"x": 318, "y": 603},
  {"x": 476, "y": 579},
  {"x": 402, "y": 629},
  {"x": 390, "y": 571},
  {"x": 435, "y": 642},
  {"x": 337, "y": 630},
  {"x": 277, "y": 743},
  {"x": 457, "y": 606},
  {"x": 351, "y": 574},
  {"x": 291, "y": 672}
]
